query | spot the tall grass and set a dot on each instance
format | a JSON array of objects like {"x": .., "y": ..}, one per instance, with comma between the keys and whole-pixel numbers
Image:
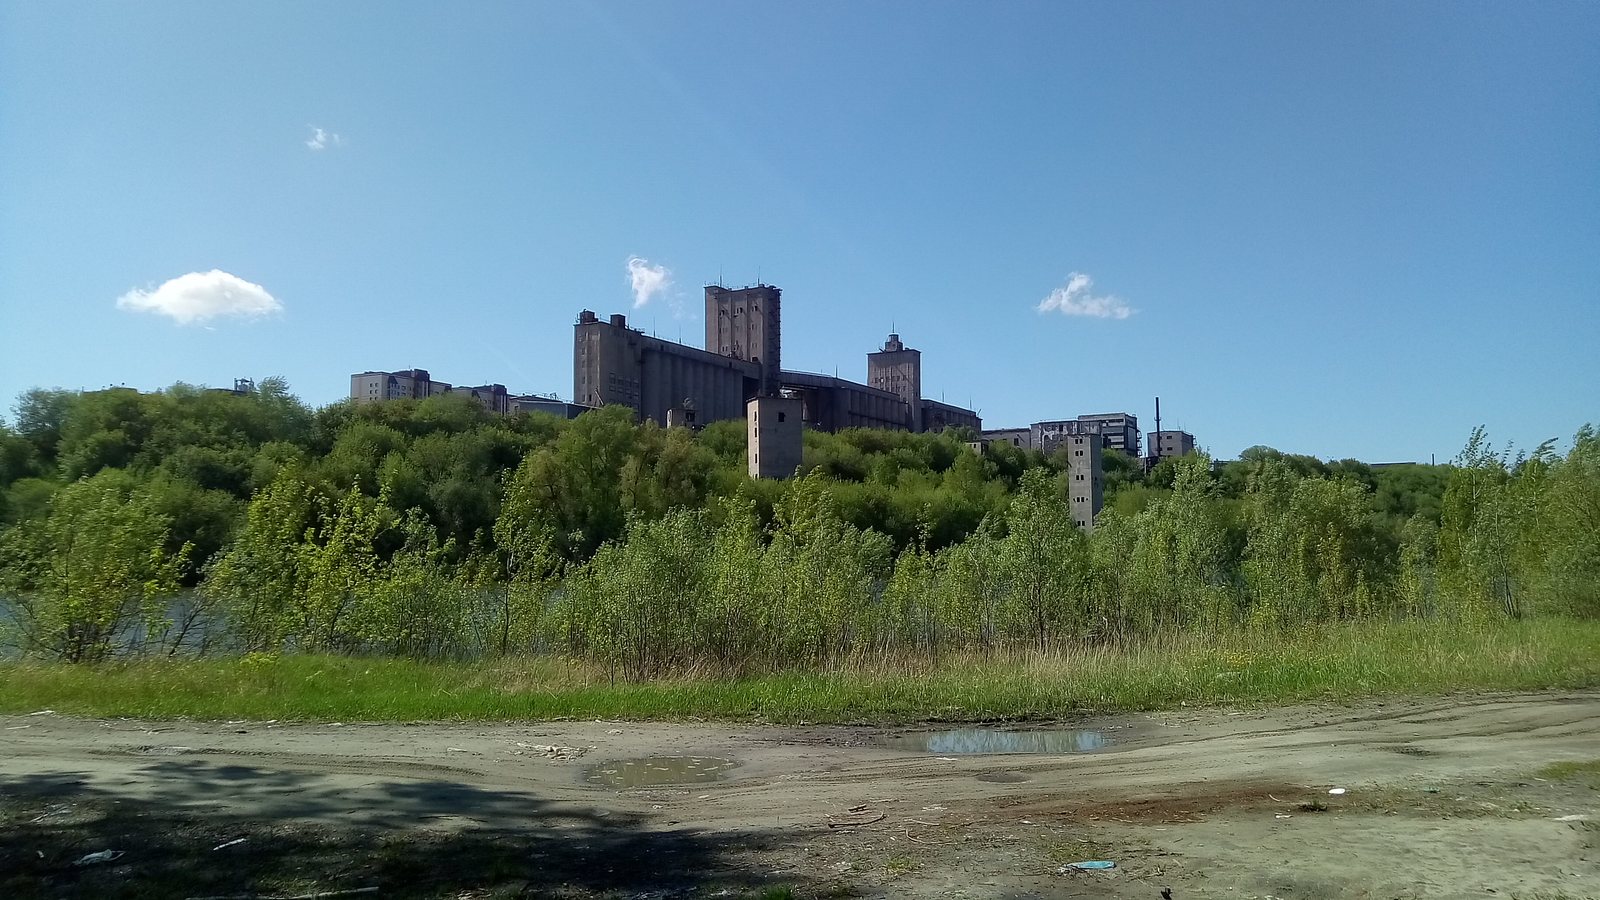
[{"x": 1338, "y": 662}]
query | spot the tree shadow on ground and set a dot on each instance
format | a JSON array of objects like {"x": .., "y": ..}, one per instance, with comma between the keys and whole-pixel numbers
[{"x": 302, "y": 835}]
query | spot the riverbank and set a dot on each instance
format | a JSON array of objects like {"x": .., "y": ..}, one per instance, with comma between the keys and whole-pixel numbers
[{"x": 1249, "y": 667}]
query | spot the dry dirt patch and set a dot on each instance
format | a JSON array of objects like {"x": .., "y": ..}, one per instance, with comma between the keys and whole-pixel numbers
[{"x": 1443, "y": 798}]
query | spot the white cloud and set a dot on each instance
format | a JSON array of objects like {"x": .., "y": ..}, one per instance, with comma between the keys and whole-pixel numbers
[
  {"x": 1076, "y": 298},
  {"x": 647, "y": 280},
  {"x": 202, "y": 296},
  {"x": 322, "y": 139}
]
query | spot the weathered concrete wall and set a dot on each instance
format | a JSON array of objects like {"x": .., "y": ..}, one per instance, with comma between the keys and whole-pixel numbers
[
  {"x": 616, "y": 364},
  {"x": 773, "y": 428}
]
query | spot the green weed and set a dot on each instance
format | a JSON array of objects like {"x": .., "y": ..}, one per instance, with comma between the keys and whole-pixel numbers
[
  {"x": 1243, "y": 667},
  {"x": 1586, "y": 772}
]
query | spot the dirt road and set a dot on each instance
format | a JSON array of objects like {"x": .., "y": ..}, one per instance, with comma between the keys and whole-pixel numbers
[{"x": 1442, "y": 798}]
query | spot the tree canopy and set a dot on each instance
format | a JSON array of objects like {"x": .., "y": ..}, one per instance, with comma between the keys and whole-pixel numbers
[{"x": 436, "y": 527}]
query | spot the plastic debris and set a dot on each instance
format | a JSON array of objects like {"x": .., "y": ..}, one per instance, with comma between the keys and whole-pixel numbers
[
  {"x": 1580, "y": 817},
  {"x": 1336, "y": 791},
  {"x": 1088, "y": 865},
  {"x": 228, "y": 844},
  {"x": 94, "y": 858},
  {"x": 1282, "y": 816},
  {"x": 43, "y": 712}
]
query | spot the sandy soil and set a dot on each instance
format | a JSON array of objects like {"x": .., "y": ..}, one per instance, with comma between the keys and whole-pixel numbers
[{"x": 1441, "y": 800}]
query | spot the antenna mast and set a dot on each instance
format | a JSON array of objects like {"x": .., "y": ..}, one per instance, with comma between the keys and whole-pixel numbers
[{"x": 1155, "y": 451}]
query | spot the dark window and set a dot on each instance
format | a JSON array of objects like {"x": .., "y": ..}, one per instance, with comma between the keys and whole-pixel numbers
[{"x": 780, "y": 417}]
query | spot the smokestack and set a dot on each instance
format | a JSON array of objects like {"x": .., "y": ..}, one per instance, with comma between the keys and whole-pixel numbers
[{"x": 1155, "y": 450}]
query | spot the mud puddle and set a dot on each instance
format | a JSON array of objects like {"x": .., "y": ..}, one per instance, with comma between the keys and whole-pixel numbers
[
  {"x": 650, "y": 771},
  {"x": 964, "y": 741}
]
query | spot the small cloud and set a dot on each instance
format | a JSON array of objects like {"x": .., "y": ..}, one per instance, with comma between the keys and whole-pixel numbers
[
  {"x": 647, "y": 280},
  {"x": 1076, "y": 298},
  {"x": 202, "y": 296},
  {"x": 322, "y": 139}
]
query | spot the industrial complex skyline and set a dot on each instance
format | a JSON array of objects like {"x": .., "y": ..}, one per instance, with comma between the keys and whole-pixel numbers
[
  {"x": 740, "y": 360},
  {"x": 1279, "y": 218}
]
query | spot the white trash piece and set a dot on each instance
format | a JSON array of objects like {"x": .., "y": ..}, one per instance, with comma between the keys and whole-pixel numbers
[{"x": 102, "y": 856}]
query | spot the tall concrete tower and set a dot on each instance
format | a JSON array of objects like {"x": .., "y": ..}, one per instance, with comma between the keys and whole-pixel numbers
[
  {"x": 746, "y": 323},
  {"x": 898, "y": 369},
  {"x": 1085, "y": 477},
  {"x": 774, "y": 445}
]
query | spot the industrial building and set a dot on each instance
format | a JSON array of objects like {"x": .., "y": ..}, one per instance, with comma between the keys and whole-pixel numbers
[
  {"x": 531, "y": 403},
  {"x": 615, "y": 364},
  {"x": 1164, "y": 444},
  {"x": 412, "y": 384},
  {"x": 898, "y": 369},
  {"x": 1048, "y": 436},
  {"x": 418, "y": 384},
  {"x": 1016, "y": 437},
  {"x": 1117, "y": 431},
  {"x": 742, "y": 360},
  {"x": 747, "y": 323},
  {"x": 493, "y": 396}
]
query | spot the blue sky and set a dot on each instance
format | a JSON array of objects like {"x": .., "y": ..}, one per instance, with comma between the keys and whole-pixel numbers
[{"x": 1353, "y": 229}]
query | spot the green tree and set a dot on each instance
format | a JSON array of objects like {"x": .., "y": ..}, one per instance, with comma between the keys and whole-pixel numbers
[
  {"x": 1045, "y": 564},
  {"x": 820, "y": 573},
  {"x": 1169, "y": 565},
  {"x": 414, "y": 605},
  {"x": 18, "y": 457},
  {"x": 258, "y": 581},
  {"x": 574, "y": 487},
  {"x": 339, "y": 571},
  {"x": 40, "y": 416},
  {"x": 94, "y": 576},
  {"x": 1312, "y": 552},
  {"x": 1477, "y": 535}
]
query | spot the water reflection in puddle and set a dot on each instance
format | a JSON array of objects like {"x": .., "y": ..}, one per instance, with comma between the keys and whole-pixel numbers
[
  {"x": 650, "y": 771},
  {"x": 995, "y": 740}
]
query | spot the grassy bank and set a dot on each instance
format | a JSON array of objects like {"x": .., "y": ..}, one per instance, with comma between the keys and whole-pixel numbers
[{"x": 1336, "y": 663}]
